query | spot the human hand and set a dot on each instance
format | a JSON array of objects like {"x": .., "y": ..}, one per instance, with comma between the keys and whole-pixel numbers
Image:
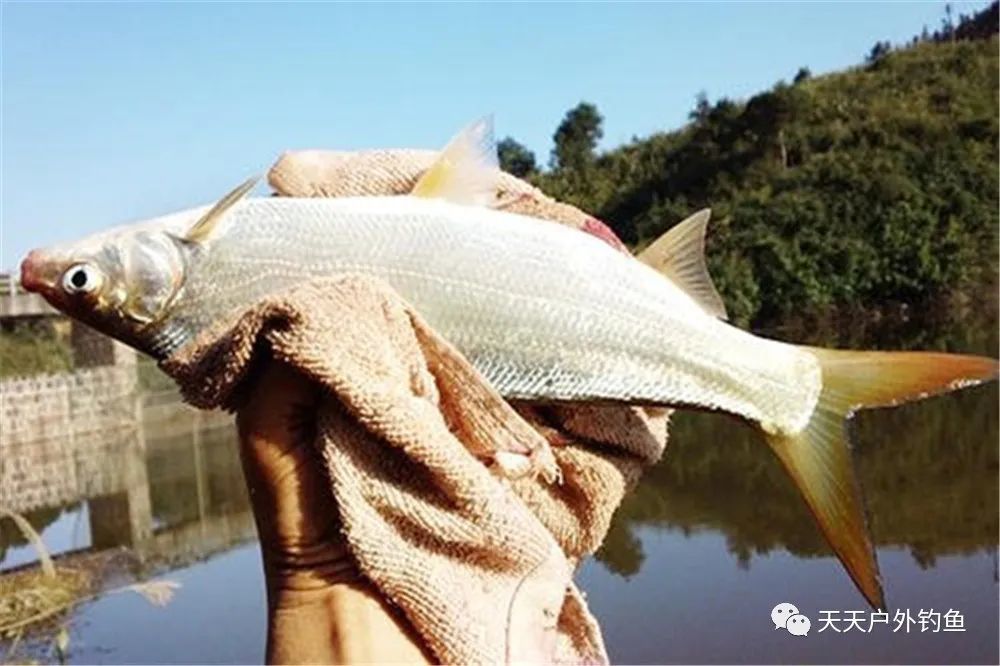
[{"x": 320, "y": 608}]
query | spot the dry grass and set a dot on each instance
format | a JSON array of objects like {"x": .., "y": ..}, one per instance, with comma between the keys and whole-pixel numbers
[
  {"x": 32, "y": 597},
  {"x": 38, "y": 600}
]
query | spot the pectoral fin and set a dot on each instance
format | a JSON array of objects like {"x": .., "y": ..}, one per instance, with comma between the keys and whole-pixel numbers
[
  {"x": 201, "y": 230},
  {"x": 466, "y": 171},
  {"x": 679, "y": 254}
]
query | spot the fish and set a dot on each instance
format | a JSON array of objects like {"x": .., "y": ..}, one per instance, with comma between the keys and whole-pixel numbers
[{"x": 544, "y": 312}]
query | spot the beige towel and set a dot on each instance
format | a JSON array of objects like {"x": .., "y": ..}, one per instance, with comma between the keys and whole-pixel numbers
[
  {"x": 419, "y": 448},
  {"x": 332, "y": 173}
]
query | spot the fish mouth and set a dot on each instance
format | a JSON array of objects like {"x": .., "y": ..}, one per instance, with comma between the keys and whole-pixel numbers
[
  {"x": 34, "y": 274},
  {"x": 39, "y": 275}
]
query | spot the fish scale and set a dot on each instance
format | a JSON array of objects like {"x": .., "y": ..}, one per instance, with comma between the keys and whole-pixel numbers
[{"x": 543, "y": 312}]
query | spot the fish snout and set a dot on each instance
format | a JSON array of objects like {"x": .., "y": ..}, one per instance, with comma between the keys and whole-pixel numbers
[{"x": 32, "y": 270}]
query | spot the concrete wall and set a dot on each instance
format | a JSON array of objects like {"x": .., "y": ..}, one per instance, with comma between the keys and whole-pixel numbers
[{"x": 55, "y": 431}]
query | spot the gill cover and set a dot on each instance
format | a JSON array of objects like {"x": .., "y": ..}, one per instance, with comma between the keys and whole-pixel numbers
[
  {"x": 154, "y": 268},
  {"x": 155, "y": 263}
]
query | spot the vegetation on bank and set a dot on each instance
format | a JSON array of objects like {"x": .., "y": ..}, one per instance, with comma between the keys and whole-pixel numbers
[
  {"x": 29, "y": 349},
  {"x": 867, "y": 189}
]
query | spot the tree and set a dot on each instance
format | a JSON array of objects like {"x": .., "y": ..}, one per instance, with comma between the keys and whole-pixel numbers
[
  {"x": 577, "y": 137},
  {"x": 702, "y": 107},
  {"x": 879, "y": 50},
  {"x": 802, "y": 75},
  {"x": 767, "y": 114},
  {"x": 948, "y": 23},
  {"x": 515, "y": 158},
  {"x": 981, "y": 25}
]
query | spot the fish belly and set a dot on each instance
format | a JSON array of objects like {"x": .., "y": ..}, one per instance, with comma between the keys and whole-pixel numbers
[{"x": 542, "y": 311}]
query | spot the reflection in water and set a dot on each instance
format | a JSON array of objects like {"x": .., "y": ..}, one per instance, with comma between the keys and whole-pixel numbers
[
  {"x": 715, "y": 529},
  {"x": 930, "y": 487},
  {"x": 164, "y": 483},
  {"x": 207, "y": 482},
  {"x": 180, "y": 471}
]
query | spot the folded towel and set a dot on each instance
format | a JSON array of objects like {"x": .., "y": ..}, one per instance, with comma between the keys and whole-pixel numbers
[{"x": 467, "y": 512}]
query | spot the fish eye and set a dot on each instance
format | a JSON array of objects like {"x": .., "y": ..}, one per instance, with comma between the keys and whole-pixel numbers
[{"x": 81, "y": 279}]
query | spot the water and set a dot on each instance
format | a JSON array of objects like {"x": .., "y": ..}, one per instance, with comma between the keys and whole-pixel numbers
[{"x": 711, "y": 540}]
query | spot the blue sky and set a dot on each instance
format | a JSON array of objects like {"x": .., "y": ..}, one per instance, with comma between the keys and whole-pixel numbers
[{"x": 115, "y": 112}]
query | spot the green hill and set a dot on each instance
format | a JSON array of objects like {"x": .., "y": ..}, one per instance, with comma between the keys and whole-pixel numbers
[{"x": 866, "y": 190}]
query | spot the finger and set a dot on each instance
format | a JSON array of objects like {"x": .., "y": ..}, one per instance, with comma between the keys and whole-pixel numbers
[{"x": 290, "y": 493}]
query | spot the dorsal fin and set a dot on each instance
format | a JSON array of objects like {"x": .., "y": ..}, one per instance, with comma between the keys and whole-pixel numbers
[
  {"x": 466, "y": 171},
  {"x": 202, "y": 229},
  {"x": 679, "y": 254}
]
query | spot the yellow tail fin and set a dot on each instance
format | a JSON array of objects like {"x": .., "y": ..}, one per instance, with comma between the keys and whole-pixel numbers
[{"x": 819, "y": 458}]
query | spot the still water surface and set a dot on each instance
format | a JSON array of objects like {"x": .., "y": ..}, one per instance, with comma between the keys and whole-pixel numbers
[{"x": 713, "y": 538}]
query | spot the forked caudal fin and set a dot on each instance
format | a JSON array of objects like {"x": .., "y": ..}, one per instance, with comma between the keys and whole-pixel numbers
[{"x": 819, "y": 457}]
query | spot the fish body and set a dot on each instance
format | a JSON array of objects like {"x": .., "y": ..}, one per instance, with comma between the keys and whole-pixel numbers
[
  {"x": 544, "y": 312},
  {"x": 601, "y": 326}
]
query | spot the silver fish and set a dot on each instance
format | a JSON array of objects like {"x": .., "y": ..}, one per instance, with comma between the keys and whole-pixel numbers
[{"x": 544, "y": 312}]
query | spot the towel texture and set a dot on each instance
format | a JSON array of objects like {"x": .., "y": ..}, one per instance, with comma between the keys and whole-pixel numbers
[{"x": 468, "y": 512}]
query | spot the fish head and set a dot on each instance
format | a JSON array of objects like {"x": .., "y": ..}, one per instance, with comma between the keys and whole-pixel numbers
[
  {"x": 122, "y": 284},
  {"x": 128, "y": 281}
]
